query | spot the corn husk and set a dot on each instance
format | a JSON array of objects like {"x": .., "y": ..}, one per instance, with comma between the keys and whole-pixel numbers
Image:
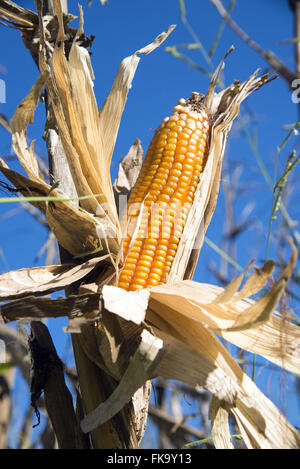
[
  {"x": 43, "y": 280},
  {"x": 223, "y": 108}
]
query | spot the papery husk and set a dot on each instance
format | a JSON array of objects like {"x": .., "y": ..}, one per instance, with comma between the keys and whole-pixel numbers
[
  {"x": 244, "y": 322},
  {"x": 257, "y": 416},
  {"x": 16, "y": 15},
  {"x": 39, "y": 281},
  {"x": 222, "y": 108},
  {"x": 220, "y": 425},
  {"x": 19, "y": 122}
]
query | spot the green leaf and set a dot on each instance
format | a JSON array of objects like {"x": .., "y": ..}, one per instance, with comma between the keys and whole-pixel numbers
[{"x": 6, "y": 366}]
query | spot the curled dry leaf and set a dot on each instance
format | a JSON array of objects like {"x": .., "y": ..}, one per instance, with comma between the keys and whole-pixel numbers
[
  {"x": 129, "y": 169},
  {"x": 181, "y": 315},
  {"x": 193, "y": 354},
  {"x": 220, "y": 425},
  {"x": 79, "y": 308},
  {"x": 136, "y": 303},
  {"x": 246, "y": 323},
  {"x": 137, "y": 373},
  {"x": 256, "y": 415},
  {"x": 43, "y": 280},
  {"x": 21, "y": 118}
]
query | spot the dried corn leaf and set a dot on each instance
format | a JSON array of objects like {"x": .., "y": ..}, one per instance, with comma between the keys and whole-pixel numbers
[
  {"x": 232, "y": 287},
  {"x": 137, "y": 373},
  {"x": 261, "y": 311},
  {"x": 256, "y": 282},
  {"x": 74, "y": 306},
  {"x": 255, "y": 414},
  {"x": 136, "y": 303},
  {"x": 194, "y": 355},
  {"x": 275, "y": 339},
  {"x": 220, "y": 425},
  {"x": 26, "y": 186},
  {"x": 74, "y": 229},
  {"x": 111, "y": 112},
  {"x": 16, "y": 15},
  {"x": 129, "y": 169},
  {"x": 43, "y": 280},
  {"x": 189, "y": 299},
  {"x": 21, "y": 118}
]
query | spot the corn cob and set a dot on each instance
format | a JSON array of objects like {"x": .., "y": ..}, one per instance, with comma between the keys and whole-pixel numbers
[{"x": 160, "y": 200}]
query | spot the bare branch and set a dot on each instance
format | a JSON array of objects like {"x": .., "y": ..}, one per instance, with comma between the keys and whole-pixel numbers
[
  {"x": 178, "y": 434},
  {"x": 269, "y": 56}
]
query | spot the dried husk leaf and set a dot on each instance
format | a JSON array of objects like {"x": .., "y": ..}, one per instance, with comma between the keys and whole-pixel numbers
[
  {"x": 81, "y": 309},
  {"x": 111, "y": 112},
  {"x": 129, "y": 169},
  {"x": 220, "y": 425},
  {"x": 15, "y": 14},
  {"x": 233, "y": 286},
  {"x": 75, "y": 230},
  {"x": 245, "y": 323},
  {"x": 193, "y": 355},
  {"x": 255, "y": 414},
  {"x": 26, "y": 186},
  {"x": 43, "y": 280},
  {"x": 137, "y": 373},
  {"x": 21, "y": 118},
  {"x": 186, "y": 293},
  {"x": 223, "y": 109},
  {"x": 277, "y": 340},
  {"x": 256, "y": 281},
  {"x": 67, "y": 107}
]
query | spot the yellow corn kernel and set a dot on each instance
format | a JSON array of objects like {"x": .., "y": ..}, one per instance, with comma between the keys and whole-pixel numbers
[{"x": 166, "y": 186}]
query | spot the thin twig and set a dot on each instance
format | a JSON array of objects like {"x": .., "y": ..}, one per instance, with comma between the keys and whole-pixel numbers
[{"x": 269, "y": 56}]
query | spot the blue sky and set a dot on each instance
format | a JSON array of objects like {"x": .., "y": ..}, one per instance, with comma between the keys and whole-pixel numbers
[{"x": 121, "y": 28}]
